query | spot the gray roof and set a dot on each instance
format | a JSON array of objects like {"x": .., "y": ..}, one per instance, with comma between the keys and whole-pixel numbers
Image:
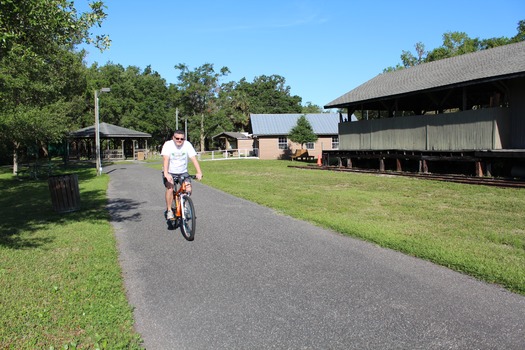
[
  {"x": 109, "y": 131},
  {"x": 235, "y": 135},
  {"x": 490, "y": 64},
  {"x": 281, "y": 124}
]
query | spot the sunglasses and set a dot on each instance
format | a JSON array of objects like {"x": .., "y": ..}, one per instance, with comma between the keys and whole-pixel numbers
[{"x": 179, "y": 138}]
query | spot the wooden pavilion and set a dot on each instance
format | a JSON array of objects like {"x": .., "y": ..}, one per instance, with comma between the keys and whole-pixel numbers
[{"x": 116, "y": 143}]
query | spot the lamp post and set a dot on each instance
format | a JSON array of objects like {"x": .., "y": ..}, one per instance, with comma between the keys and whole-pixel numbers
[{"x": 97, "y": 131}]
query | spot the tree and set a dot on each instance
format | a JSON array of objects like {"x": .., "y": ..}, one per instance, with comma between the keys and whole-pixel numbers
[
  {"x": 234, "y": 109},
  {"x": 269, "y": 94},
  {"x": 266, "y": 94},
  {"x": 409, "y": 59},
  {"x": 311, "y": 108},
  {"x": 521, "y": 32},
  {"x": 302, "y": 132},
  {"x": 38, "y": 99},
  {"x": 139, "y": 99},
  {"x": 200, "y": 89},
  {"x": 36, "y": 25},
  {"x": 41, "y": 77},
  {"x": 454, "y": 44}
]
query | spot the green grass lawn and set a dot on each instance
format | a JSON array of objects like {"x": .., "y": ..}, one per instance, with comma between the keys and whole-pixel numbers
[
  {"x": 477, "y": 230},
  {"x": 61, "y": 282}
]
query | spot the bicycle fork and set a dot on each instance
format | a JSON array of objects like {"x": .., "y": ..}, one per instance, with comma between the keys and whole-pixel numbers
[{"x": 180, "y": 207}]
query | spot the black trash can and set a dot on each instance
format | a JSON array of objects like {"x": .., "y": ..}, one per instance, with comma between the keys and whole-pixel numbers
[{"x": 65, "y": 194}]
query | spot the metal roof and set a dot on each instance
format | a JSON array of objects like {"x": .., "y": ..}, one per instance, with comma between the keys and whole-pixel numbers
[
  {"x": 500, "y": 62},
  {"x": 109, "y": 131},
  {"x": 281, "y": 124}
]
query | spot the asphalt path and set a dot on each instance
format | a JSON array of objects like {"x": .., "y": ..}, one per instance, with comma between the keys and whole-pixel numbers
[{"x": 256, "y": 279}]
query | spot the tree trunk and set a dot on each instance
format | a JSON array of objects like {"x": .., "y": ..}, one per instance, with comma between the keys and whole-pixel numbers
[
  {"x": 202, "y": 133},
  {"x": 15, "y": 158}
]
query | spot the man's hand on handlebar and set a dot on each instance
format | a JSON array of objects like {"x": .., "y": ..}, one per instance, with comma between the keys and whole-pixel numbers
[{"x": 169, "y": 178}]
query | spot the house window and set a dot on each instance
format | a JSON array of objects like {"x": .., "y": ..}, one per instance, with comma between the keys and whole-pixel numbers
[
  {"x": 335, "y": 142},
  {"x": 310, "y": 145},
  {"x": 283, "y": 143}
]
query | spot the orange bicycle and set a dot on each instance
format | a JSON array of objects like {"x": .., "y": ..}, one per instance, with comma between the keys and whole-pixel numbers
[{"x": 183, "y": 210}]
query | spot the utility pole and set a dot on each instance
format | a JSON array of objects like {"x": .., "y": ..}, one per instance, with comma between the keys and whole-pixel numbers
[
  {"x": 177, "y": 118},
  {"x": 98, "y": 161}
]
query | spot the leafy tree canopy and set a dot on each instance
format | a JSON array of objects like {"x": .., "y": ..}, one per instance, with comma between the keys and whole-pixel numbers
[
  {"x": 41, "y": 77},
  {"x": 311, "y": 108},
  {"x": 269, "y": 94},
  {"x": 200, "y": 91},
  {"x": 454, "y": 44},
  {"x": 139, "y": 99},
  {"x": 37, "y": 25}
]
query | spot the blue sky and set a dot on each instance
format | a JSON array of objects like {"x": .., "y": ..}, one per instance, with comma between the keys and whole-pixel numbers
[{"x": 323, "y": 48}]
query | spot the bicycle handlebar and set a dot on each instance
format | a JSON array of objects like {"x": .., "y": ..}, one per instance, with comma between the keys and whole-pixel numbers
[{"x": 179, "y": 179}]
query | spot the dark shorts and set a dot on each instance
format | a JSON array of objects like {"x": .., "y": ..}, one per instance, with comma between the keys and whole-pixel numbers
[{"x": 177, "y": 178}]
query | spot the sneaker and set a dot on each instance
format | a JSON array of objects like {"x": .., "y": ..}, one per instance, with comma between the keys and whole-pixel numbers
[{"x": 170, "y": 215}]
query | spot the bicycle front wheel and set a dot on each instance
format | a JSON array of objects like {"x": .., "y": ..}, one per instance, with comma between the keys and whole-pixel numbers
[{"x": 188, "y": 219}]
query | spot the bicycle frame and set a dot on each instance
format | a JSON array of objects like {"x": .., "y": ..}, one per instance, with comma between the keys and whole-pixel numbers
[
  {"x": 178, "y": 192},
  {"x": 183, "y": 209}
]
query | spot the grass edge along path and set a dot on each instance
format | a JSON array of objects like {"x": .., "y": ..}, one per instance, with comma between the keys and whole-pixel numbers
[
  {"x": 62, "y": 285},
  {"x": 476, "y": 230}
]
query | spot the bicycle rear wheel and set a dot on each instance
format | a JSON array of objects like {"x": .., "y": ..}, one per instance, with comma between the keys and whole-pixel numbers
[{"x": 189, "y": 219}]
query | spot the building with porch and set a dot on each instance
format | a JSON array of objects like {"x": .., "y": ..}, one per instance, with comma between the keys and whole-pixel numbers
[
  {"x": 233, "y": 140},
  {"x": 464, "y": 114}
]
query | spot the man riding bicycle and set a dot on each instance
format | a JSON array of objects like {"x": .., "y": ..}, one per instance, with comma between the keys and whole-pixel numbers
[{"x": 175, "y": 154}]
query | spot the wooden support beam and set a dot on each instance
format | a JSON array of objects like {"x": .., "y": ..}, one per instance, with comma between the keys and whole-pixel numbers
[
  {"x": 423, "y": 166},
  {"x": 479, "y": 169},
  {"x": 382, "y": 165},
  {"x": 488, "y": 168},
  {"x": 398, "y": 165}
]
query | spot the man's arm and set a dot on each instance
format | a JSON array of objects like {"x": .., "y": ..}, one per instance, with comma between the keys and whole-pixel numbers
[
  {"x": 165, "y": 168},
  {"x": 197, "y": 167}
]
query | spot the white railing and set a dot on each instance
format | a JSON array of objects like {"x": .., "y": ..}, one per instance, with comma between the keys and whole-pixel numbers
[{"x": 241, "y": 153}]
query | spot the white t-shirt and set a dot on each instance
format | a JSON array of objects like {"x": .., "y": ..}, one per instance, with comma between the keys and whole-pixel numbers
[{"x": 178, "y": 156}]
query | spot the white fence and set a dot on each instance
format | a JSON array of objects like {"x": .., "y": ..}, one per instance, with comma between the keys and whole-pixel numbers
[{"x": 247, "y": 153}]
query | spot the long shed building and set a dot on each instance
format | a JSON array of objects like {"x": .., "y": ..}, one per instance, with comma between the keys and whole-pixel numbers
[{"x": 464, "y": 114}]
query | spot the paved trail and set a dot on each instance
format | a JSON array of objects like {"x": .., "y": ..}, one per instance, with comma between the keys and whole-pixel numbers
[{"x": 255, "y": 279}]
